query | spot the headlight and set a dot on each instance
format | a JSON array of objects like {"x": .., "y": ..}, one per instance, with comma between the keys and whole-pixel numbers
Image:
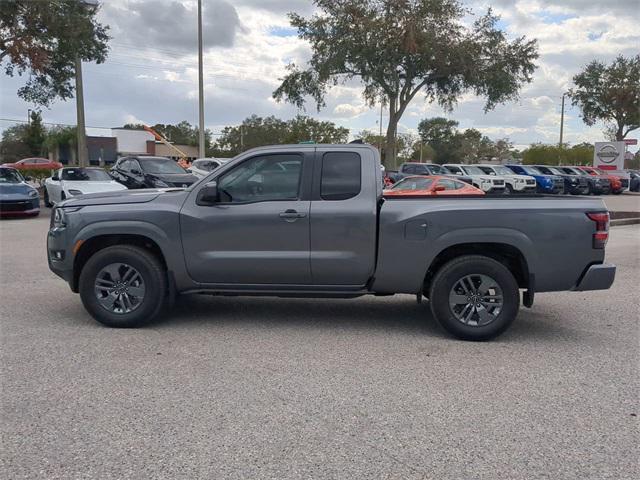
[
  {"x": 75, "y": 192},
  {"x": 520, "y": 180},
  {"x": 33, "y": 193},
  {"x": 59, "y": 218},
  {"x": 160, "y": 183}
]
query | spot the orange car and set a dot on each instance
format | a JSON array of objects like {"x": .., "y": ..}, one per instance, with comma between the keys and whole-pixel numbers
[{"x": 431, "y": 185}]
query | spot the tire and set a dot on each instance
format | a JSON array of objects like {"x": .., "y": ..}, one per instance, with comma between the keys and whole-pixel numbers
[
  {"x": 151, "y": 281},
  {"x": 47, "y": 202},
  {"x": 508, "y": 190},
  {"x": 495, "y": 319}
]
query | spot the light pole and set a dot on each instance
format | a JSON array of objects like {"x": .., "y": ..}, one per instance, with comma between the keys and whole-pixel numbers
[
  {"x": 201, "y": 139},
  {"x": 562, "y": 121}
]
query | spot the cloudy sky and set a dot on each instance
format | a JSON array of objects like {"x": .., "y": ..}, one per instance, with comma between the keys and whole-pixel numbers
[{"x": 151, "y": 73}]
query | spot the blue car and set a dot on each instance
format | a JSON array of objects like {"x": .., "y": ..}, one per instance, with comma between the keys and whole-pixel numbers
[
  {"x": 544, "y": 183},
  {"x": 17, "y": 197}
]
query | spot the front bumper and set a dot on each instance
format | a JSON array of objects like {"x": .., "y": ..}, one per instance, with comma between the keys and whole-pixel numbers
[
  {"x": 59, "y": 257},
  {"x": 597, "y": 277}
]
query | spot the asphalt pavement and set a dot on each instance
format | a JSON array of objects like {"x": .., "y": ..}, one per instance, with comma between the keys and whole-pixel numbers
[{"x": 254, "y": 388}]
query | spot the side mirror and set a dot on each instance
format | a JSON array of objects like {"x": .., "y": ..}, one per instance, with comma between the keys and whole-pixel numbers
[
  {"x": 439, "y": 188},
  {"x": 208, "y": 195},
  {"x": 55, "y": 178},
  {"x": 28, "y": 179},
  {"x": 135, "y": 171}
]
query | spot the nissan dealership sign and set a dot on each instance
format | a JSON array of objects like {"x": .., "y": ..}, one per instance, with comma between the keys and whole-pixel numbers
[{"x": 609, "y": 155}]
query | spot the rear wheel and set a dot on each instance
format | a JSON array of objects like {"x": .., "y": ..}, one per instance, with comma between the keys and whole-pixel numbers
[
  {"x": 508, "y": 190},
  {"x": 123, "y": 286},
  {"x": 474, "y": 297}
]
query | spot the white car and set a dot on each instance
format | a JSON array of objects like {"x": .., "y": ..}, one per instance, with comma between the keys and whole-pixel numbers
[
  {"x": 204, "y": 166},
  {"x": 73, "y": 181},
  {"x": 479, "y": 179},
  {"x": 514, "y": 183}
]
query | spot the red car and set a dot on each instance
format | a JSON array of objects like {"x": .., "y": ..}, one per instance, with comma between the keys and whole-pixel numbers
[
  {"x": 34, "y": 162},
  {"x": 616, "y": 182},
  {"x": 431, "y": 185}
]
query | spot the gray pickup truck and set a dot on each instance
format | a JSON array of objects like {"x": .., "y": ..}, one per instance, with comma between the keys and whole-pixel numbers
[{"x": 312, "y": 221}]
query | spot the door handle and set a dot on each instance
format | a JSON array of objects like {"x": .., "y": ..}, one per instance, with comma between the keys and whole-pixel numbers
[{"x": 291, "y": 215}]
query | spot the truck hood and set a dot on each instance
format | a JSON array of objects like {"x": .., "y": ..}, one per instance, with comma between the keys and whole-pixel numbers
[{"x": 119, "y": 197}]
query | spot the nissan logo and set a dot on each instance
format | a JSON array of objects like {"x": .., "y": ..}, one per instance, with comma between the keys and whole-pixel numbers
[{"x": 608, "y": 154}]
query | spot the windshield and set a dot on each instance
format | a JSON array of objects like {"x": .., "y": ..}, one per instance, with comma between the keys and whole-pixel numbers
[
  {"x": 502, "y": 171},
  {"x": 413, "y": 183},
  {"x": 436, "y": 169},
  {"x": 207, "y": 165},
  {"x": 9, "y": 175},
  {"x": 161, "y": 165},
  {"x": 532, "y": 171},
  {"x": 472, "y": 170},
  {"x": 579, "y": 171},
  {"x": 555, "y": 171},
  {"x": 85, "y": 174}
]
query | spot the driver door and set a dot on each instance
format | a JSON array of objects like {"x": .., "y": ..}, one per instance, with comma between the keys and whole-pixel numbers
[{"x": 258, "y": 231}]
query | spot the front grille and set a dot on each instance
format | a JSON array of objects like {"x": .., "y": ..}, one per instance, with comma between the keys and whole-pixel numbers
[
  {"x": 498, "y": 182},
  {"x": 559, "y": 183},
  {"x": 15, "y": 206},
  {"x": 531, "y": 182}
]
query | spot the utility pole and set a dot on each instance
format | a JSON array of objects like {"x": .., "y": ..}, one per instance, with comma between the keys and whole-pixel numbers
[
  {"x": 561, "y": 121},
  {"x": 421, "y": 151},
  {"x": 83, "y": 153},
  {"x": 241, "y": 138},
  {"x": 201, "y": 139},
  {"x": 380, "y": 135}
]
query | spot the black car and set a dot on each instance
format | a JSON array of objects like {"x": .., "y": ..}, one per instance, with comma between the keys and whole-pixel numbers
[
  {"x": 414, "y": 168},
  {"x": 151, "y": 172},
  {"x": 634, "y": 180},
  {"x": 573, "y": 183},
  {"x": 598, "y": 185}
]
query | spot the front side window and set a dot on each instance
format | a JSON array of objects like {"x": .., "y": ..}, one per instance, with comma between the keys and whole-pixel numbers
[
  {"x": 455, "y": 170},
  {"x": 341, "y": 174},
  {"x": 263, "y": 178},
  {"x": 449, "y": 184}
]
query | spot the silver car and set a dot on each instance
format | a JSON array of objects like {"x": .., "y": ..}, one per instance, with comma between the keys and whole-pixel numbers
[{"x": 204, "y": 166}]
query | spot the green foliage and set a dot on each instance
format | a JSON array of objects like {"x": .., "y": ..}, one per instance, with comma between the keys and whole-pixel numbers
[
  {"x": 399, "y": 48},
  {"x": 450, "y": 145},
  {"x": 611, "y": 94},
  {"x": 24, "y": 140},
  {"x": 43, "y": 38},
  {"x": 258, "y": 131},
  {"x": 539, "y": 154},
  {"x": 38, "y": 175},
  {"x": 633, "y": 163}
]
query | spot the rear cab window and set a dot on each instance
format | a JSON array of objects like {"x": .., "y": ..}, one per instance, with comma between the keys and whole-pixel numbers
[{"x": 341, "y": 175}]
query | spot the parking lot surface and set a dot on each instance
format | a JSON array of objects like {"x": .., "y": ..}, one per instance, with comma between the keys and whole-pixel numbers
[{"x": 286, "y": 388}]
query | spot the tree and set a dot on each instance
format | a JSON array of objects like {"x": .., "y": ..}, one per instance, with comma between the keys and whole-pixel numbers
[
  {"x": 611, "y": 94},
  {"x": 24, "y": 140},
  {"x": 257, "y": 131},
  {"x": 439, "y": 133},
  {"x": 43, "y": 38},
  {"x": 539, "y": 154},
  {"x": 399, "y": 48}
]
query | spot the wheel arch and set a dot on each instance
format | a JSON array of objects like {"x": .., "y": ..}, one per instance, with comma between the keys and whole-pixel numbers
[{"x": 509, "y": 255}]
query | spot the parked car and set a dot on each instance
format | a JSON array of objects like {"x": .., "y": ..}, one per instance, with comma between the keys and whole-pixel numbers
[
  {"x": 415, "y": 168},
  {"x": 309, "y": 221},
  {"x": 514, "y": 183},
  {"x": 34, "y": 162},
  {"x": 204, "y": 166},
  {"x": 544, "y": 183},
  {"x": 598, "y": 185},
  {"x": 479, "y": 179},
  {"x": 17, "y": 197},
  {"x": 634, "y": 181},
  {"x": 151, "y": 172},
  {"x": 431, "y": 185},
  {"x": 617, "y": 184},
  {"x": 573, "y": 184},
  {"x": 71, "y": 181}
]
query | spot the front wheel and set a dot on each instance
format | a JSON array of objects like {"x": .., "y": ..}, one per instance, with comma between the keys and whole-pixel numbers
[
  {"x": 123, "y": 286},
  {"x": 474, "y": 297},
  {"x": 47, "y": 201},
  {"x": 508, "y": 190}
]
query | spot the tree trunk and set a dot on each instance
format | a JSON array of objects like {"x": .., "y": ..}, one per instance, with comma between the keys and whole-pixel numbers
[
  {"x": 390, "y": 141},
  {"x": 620, "y": 133}
]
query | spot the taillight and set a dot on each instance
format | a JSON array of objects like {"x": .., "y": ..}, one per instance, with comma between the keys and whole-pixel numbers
[{"x": 602, "y": 228}]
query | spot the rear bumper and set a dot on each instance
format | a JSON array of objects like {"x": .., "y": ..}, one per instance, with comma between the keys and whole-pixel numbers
[{"x": 597, "y": 277}]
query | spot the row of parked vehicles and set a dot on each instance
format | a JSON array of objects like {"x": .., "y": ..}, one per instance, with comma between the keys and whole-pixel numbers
[
  {"x": 17, "y": 197},
  {"x": 511, "y": 179}
]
